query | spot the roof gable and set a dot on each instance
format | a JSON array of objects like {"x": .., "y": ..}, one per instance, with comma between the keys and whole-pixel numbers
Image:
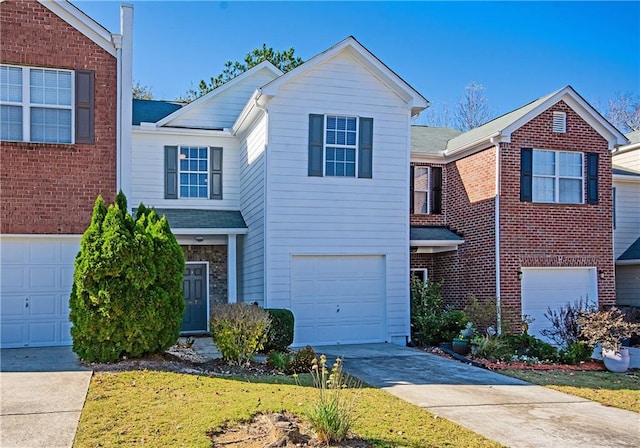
[
  {"x": 408, "y": 94},
  {"x": 83, "y": 23},
  {"x": 501, "y": 128},
  {"x": 249, "y": 80}
]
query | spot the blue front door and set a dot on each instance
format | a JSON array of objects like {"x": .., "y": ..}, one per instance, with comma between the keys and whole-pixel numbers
[{"x": 194, "y": 285}]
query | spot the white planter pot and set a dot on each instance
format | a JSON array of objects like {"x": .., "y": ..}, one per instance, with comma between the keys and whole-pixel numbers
[{"x": 617, "y": 362}]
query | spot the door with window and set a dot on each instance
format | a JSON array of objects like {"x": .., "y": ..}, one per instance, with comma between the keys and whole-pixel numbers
[{"x": 194, "y": 285}]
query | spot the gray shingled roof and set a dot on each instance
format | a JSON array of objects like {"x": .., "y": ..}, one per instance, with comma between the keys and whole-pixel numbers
[
  {"x": 634, "y": 137},
  {"x": 433, "y": 234},
  {"x": 184, "y": 218},
  {"x": 632, "y": 253},
  {"x": 430, "y": 140},
  {"x": 151, "y": 111}
]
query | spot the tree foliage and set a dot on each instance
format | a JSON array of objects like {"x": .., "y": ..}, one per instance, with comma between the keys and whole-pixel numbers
[
  {"x": 127, "y": 296},
  {"x": 285, "y": 60},
  {"x": 141, "y": 92},
  {"x": 624, "y": 112}
]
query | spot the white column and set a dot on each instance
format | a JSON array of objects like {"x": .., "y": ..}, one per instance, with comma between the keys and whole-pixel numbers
[{"x": 232, "y": 275}]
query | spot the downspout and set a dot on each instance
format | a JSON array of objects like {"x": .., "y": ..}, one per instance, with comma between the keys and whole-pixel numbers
[
  {"x": 496, "y": 142},
  {"x": 264, "y": 223},
  {"x": 125, "y": 101}
]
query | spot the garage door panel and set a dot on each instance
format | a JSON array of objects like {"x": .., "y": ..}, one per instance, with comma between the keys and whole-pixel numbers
[
  {"x": 338, "y": 299},
  {"x": 546, "y": 288},
  {"x": 37, "y": 277}
]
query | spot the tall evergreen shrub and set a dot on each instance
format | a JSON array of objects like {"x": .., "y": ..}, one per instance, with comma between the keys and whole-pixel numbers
[{"x": 126, "y": 297}]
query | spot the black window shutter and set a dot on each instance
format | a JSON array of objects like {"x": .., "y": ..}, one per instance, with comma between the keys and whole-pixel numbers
[
  {"x": 215, "y": 189},
  {"x": 436, "y": 190},
  {"x": 365, "y": 149},
  {"x": 411, "y": 186},
  {"x": 84, "y": 106},
  {"x": 592, "y": 177},
  {"x": 171, "y": 172},
  {"x": 316, "y": 143},
  {"x": 526, "y": 174}
]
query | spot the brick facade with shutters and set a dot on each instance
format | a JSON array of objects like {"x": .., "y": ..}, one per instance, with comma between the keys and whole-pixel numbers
[
  {"x": 50, "y": 188},
  {"x": 531, "y": 234}
]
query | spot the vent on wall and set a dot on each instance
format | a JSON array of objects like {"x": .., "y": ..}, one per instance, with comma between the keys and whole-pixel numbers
[{"x": 560, "y": 122}]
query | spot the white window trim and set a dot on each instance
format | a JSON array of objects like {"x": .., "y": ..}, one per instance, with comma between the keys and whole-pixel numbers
[
  {"x": 557, "y": 177},
  {"x": 325, "y": 145},
  {"x": 427, "y": 191},
  {"x": 27, "y": 105},
  {"x": 425, "y": 273},
  {"x": 208, "y": 173}
]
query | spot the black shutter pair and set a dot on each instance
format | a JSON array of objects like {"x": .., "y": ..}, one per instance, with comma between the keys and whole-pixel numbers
[
  {"x": 526, "y": 176},
  {"x": 171, "y": 184},
  {"x": 316, "y": 145}
]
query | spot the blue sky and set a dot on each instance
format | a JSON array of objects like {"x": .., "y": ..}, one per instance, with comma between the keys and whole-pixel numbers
[{"x": 518, "y": 50}]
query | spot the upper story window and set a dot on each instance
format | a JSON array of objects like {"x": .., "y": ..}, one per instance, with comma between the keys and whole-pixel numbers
[
  {"x": 426, "y": 190},
  {"x": 558, "y": 176},
  {"x": 193, "y": 172},
  {"x": 36, "y": 104},
  {"x": 340, "y": 146},
  {"x": 46, "y": 105}
]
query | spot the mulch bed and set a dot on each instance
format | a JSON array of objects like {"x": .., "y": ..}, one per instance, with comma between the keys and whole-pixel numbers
[{"x": 584, "y": 366}]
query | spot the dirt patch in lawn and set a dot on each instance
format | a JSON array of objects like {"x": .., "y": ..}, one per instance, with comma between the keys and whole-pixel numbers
[{"x": 274, "y": 430}]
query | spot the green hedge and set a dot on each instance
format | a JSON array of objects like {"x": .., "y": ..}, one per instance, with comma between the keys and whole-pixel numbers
[{"x": 280, "y": 335}]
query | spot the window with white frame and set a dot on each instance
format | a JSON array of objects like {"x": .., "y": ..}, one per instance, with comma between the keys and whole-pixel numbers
[
  {"x": 36, "y": 104},
  {"x": 558, "y": 176},
  {"x": 421, "y": 188},
  {"x": 420, "y": 274},
  {"x": 341, "y": 143},
  {"x": 194, "y": 172}
]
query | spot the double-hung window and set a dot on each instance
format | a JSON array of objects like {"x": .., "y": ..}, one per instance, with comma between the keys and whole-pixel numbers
[
  {"x": 193, "y": 172},
  {"x": 340, "y": 146},
  {"x": 37, "y": 104},
  {"x": 558, "y": 176},
  {"x": 426, "y": 190}
]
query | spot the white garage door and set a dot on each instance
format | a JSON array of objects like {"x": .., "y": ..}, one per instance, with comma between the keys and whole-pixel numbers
[
  {"x": 338, "y": 299},
  {"x": 37, "y": 274},
  {"x": 554, "y": 287}
]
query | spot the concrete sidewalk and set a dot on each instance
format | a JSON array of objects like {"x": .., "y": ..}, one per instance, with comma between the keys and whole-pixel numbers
[
  {"x": 512, "y": 412},
  {"x": 42, "y": 393}
]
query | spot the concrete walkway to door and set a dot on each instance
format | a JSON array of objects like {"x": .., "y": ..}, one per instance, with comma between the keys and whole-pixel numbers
[
  {"x": 512, "y": 412},
  {"x": 42, "y": 392}
]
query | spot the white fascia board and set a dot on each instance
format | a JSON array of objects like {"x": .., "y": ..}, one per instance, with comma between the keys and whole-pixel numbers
[
  {"x": 249, "y": 111},
  {"x": 411, "y": 96},
  {"x": 151, "y": 128},
  {"x": 215, "y": 92},
  {"x": 83, "y": 23},
  {"x": 627, "y": 148},
  {"x": 208, "y": 231},
  {"x": 435, "y": 243},
  {"x": 476, "y": 146},
  {"x": 428, "y": 158},
  {"x": 626, "y": 178}
]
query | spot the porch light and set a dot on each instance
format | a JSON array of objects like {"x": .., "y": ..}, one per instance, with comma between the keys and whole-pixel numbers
[
  {"x": 199, "y": 238},
  {"x": 601, "y": 275},
  {"x": 519, "y": 274}
]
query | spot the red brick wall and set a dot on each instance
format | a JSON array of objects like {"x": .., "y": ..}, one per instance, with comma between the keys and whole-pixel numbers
[
  {"x": 554, "y": 235},
  {"x": 51, "y": 188}
]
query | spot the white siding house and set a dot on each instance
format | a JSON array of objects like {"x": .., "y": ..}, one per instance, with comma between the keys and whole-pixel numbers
[{"x": 314, "y": 186}]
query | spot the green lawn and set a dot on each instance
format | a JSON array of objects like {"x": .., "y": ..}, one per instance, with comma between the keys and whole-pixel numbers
[
  {"x": 612, "y": 389},
  {"x": 170, "y": 409}
]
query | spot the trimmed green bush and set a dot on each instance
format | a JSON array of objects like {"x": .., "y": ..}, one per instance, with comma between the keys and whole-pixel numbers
[
  {"x": 239, "y": 331},
  {"x": 125, "y": 299},
  {"x": 280, "y": 334}
]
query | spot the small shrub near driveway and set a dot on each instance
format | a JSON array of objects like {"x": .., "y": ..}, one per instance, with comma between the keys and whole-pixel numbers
[
  {"x": 280, "y": 334},
  {"x": 239, "y": 331}
]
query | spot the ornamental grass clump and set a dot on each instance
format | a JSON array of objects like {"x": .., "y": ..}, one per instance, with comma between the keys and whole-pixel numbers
[
  {"x": 239, "y": 331},
  {"x": 333, "y": 413}
]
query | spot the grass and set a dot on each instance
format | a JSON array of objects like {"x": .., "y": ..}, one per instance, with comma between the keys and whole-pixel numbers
[
  {"x": 611, "y": 389},
  {"x": 171, "y": 409}
]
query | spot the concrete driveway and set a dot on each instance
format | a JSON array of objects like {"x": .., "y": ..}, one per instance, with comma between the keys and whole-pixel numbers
[
  {"x": 512, "y": 412},
  {"x": 42, "y": 393}
]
